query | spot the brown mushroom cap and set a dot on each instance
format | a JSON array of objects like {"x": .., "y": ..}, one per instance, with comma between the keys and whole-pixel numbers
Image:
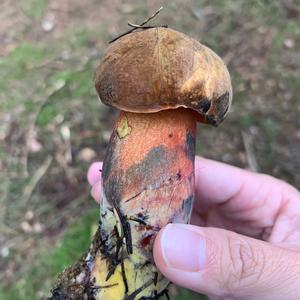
[{"x": 160, "y": 68}]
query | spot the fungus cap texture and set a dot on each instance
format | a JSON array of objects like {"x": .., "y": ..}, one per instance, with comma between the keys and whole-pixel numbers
[{"x": 160, "y": 68}]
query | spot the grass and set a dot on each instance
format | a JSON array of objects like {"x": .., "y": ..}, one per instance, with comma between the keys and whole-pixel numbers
[
  {"x": 36, "y": 280},
  {"x": 46, "y": 89},
  {"x": 35, "y": 8}
]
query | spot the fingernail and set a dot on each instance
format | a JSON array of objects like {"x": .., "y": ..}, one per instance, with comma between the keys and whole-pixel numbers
[{"x": 183, "y": 248}]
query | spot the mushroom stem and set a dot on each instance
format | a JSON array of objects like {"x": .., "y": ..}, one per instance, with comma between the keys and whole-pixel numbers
[{"x": 148, "y": 181}]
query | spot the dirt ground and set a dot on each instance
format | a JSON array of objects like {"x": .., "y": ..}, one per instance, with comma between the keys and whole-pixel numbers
[{"x": 52, "y": 126}]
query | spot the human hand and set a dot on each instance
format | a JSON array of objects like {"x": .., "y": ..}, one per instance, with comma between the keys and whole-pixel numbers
[{"x": 245, "y": 241}]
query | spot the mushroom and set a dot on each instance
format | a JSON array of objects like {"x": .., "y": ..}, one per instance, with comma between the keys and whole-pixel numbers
[{"x": 163, "y": 82}]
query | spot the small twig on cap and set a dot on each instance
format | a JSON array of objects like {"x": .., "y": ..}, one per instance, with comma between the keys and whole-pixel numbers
[
  {"x": 152, "y": 16},
  {"x": 145, "y": 27},
  {"x": 140, "y": 26}
]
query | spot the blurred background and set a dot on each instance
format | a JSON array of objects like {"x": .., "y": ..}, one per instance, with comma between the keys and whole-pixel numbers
[{"x": 52, "y": 126}]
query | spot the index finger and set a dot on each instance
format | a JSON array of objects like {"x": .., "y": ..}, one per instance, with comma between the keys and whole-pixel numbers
[
  {"x": 94, "y": 173},
  {"x": 241, "y": 194}
]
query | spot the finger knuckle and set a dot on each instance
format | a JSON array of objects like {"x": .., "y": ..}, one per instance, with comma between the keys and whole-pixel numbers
[{"x": 246, "y": 264}]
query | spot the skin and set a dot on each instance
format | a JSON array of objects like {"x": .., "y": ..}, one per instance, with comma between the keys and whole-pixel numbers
[{"x": 245, "y": 239}]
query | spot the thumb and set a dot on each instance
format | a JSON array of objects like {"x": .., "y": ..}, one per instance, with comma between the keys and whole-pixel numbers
[{"x": 222, "y": 263}]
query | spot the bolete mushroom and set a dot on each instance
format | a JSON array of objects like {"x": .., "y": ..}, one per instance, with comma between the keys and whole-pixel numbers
[{"x": 163, "y": 82}]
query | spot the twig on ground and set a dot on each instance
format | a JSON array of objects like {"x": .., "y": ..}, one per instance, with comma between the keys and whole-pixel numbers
[
  {"x": 61, "y": 159},
  {"x": 49, "y": 63},
  {"x": 248, "y": 144},
  {"x": 31, "y": 125},
  {"x": 37, "y": 176}
]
